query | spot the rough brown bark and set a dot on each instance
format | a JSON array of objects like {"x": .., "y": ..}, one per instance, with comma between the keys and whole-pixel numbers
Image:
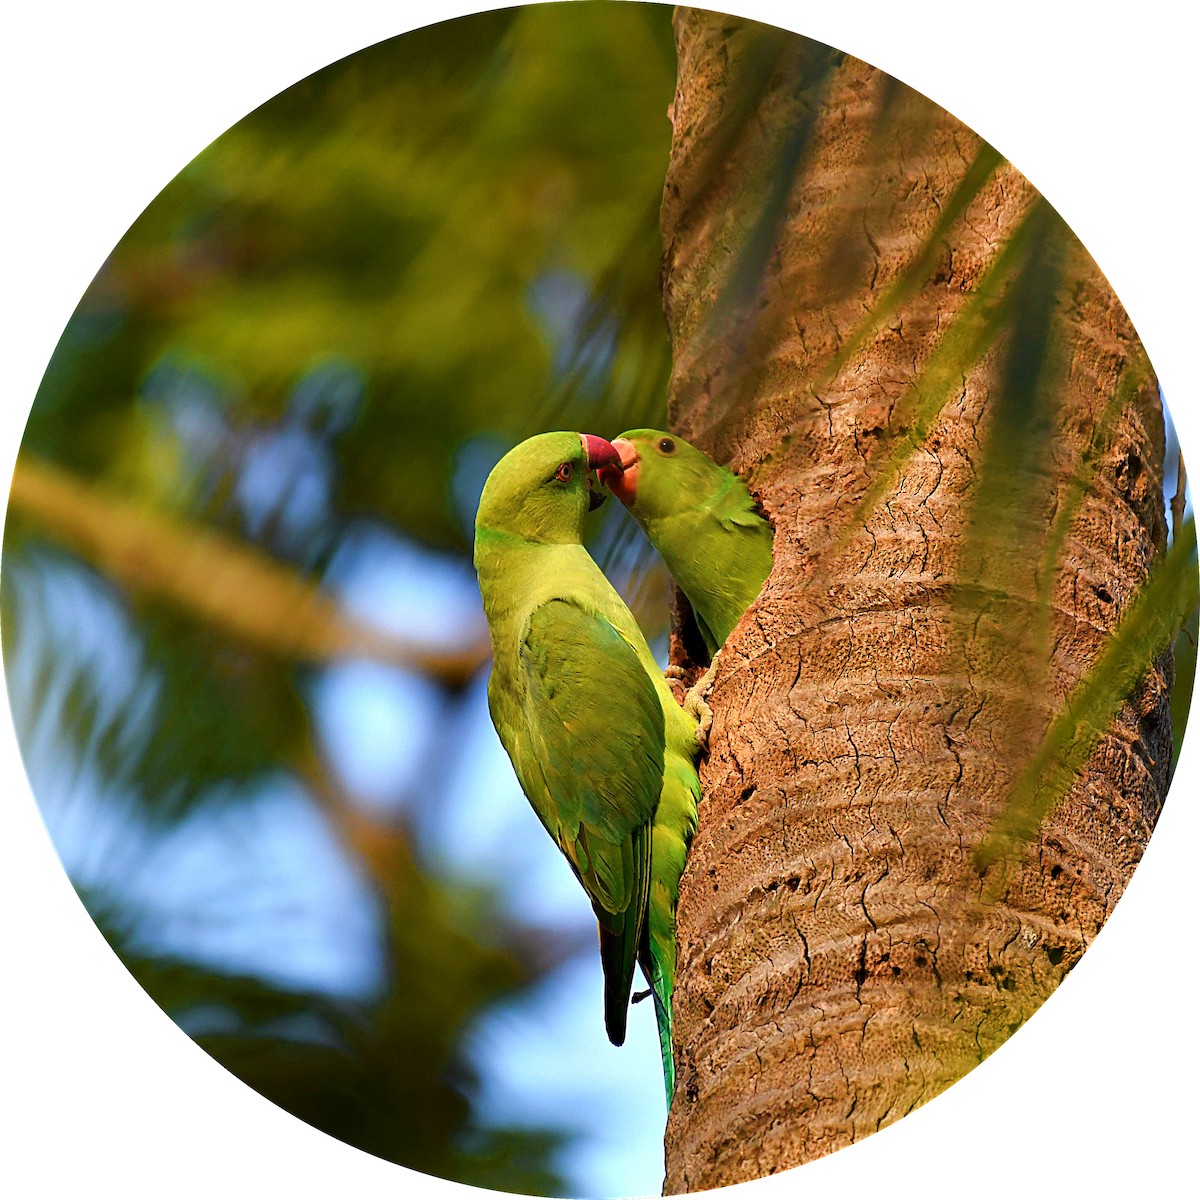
[{"x": 840, "y": 961}]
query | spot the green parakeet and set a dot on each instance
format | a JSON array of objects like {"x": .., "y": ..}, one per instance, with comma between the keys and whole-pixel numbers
[
  {"x": 603, "y": 752},
  {"x": 701, "y": 519}
]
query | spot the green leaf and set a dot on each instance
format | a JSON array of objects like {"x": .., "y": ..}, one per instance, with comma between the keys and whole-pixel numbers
[{"x": 1146, "y": 628}]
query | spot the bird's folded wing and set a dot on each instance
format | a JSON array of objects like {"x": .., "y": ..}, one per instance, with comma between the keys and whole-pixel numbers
[{"x": 596, "y": 725}]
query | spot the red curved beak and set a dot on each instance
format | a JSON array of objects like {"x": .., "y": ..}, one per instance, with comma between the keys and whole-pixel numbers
[
  {"x": 621, "y": 480},
  {"x": 602, "y": 457},
  {"x": 600, "y": 454}
]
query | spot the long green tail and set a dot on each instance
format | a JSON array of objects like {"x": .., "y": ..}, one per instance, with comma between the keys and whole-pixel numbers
[
  {"x": 656, "y": 957},
  {"x": 621, "y": 935},
  {"x": 674, "y": 825},
  {"x": 660, "y": 988}
]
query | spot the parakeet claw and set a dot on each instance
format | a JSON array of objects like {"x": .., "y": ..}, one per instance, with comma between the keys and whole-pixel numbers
[
  {"x": 673, "y": 671},
  {"x": 696, "y": 703},
  {"x": 638, "y": 997}
]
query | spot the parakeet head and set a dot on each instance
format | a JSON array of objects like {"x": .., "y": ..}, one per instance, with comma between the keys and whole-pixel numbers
[
  {"x": 540, "y": 490},
  {"x": 660, "y": 474}
]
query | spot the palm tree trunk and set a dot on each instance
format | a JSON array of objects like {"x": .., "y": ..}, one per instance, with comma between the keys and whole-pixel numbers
[{"x": 949, "y": 419}]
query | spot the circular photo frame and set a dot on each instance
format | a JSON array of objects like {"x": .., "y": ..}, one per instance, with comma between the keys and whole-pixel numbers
[{"x": 347, "y": 715}]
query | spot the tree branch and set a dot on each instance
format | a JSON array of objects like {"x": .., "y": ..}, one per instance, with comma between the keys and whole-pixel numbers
[{"x": 229, "y": 584}]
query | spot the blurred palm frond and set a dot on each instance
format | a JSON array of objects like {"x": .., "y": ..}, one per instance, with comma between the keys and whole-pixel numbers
[
  {"x": 1148, "y": 626},
  {"x": 226, "y": 585}
]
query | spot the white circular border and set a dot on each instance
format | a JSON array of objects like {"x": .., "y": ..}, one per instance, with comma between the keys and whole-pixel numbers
[{"x": 104, "y": 105}]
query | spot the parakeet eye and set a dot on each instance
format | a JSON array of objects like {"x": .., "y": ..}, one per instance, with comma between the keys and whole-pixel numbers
[
  {"x": 667, "y": 446},
  {"x": 563, "y": 473}
]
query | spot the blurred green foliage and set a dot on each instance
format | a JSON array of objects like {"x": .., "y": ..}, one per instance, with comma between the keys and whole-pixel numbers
[
  {"x": 450, "y": 234},
  {"x": 408, "y": 212},
  {"x": 381, "y": 1074},
  {"x": 340, "y": 313}
]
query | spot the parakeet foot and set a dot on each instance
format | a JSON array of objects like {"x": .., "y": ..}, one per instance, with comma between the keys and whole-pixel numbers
[
  {"x": 673, "y": 671},
  {"x": 696, "y": 702}
]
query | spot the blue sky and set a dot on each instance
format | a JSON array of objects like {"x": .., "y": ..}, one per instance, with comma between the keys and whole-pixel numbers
[{"x": 260, "y": 886}]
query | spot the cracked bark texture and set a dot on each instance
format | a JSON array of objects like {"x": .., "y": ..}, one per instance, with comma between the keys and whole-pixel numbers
[{"x": 840, "y": 961}]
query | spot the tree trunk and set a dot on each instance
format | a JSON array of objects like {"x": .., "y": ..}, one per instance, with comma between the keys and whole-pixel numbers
[{"x": 947, "y": 416}]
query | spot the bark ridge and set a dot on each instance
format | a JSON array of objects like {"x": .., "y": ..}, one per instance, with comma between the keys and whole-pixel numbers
[{"x": 852, "y": 281}]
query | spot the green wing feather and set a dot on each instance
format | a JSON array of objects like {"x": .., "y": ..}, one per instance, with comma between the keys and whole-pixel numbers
[{"x": 599, "y": 790}]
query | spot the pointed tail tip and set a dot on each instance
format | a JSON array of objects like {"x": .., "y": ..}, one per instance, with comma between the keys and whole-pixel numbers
[
  {"x": 662, "y": 1013},
  {"x": 669, "y": 1079},
  {"x": 614, "y": 1026}
]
